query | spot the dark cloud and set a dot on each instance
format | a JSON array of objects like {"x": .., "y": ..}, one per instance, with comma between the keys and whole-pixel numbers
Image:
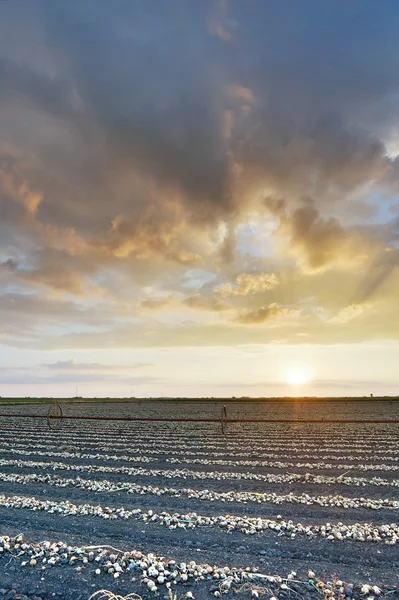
[
  {"x": 19, "y": 82},
  {"x": 156, "y": 108},
  {"x": 318, "y": 241},
  {"x": 9, "y": 265},
  {"x": 150, "y": 92}
]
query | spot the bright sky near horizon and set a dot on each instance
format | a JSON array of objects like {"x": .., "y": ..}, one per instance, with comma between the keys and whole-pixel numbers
[{"x": 199, "y": 198}]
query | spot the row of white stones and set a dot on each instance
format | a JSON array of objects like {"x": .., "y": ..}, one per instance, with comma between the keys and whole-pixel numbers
[
  {"x": 154, "y": 571},
  {"x": 279, "y": 464},
  {"x": 387, "y": 533},
  {"x": 203, "y": 475},
  {"x": 390, "y": 455},
  {"x": 321, "y": 465},
  {"x": 105, "y": 486},
  {"x": 315, "y": 438},
  {"x": 66, "y": 454}
]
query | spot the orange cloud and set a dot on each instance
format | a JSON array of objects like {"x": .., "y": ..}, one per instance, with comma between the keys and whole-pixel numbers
[
  {"x": 266, "y": 313},
  {"x": 19, "y": 191},
  {"x": 249, "y": 283}
]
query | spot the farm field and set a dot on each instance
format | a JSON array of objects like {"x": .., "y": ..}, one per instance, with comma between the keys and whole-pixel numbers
[{"x": 111, "y": 504}]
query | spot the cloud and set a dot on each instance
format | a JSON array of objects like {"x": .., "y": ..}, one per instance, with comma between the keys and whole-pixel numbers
[
  {"x": 60, "y": 278},
  {"x": 174, "y": 138},
  {"x": 150, "y": 139},
  {"x": 240, "y": 93},
  {"x": 219, "y": 25},
  {"x": 348, "y": 313},
  {"x": 9, "y": 265},
  {"x": 72, "y": 365},
  {"x": 25, "y": 317},
  {"x": 76, "y": 377},
  {"x": 74, "y": 372},
  {"x": 15, "y": 189},
  {"x": 316, "y": 241},
  {"x": 158, "y": 303},
  {"x": 197, "y": 302},
  {"x": 203, "y": 303},
  {"x": 249, "y": 283},
  {"x": 265, "y": 313}
]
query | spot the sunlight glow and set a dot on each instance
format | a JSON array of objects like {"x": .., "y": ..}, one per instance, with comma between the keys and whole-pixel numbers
[{"x": 296, "y": 377}]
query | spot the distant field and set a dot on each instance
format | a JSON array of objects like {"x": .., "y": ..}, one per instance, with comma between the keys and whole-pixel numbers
[
  {"x": 272, "y": 497},
  {"x": 308, "y": 399},
  {"x": 288, "y": 408}
]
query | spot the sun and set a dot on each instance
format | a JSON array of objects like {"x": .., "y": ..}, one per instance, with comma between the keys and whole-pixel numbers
[{"x": 296, "y": 377}]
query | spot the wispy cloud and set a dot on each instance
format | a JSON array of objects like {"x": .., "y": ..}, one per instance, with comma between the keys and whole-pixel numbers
[
  {"x": 248, "y": 283},
  {"x": 266, "y": 313},
  {"x": 73, "y": 365}
]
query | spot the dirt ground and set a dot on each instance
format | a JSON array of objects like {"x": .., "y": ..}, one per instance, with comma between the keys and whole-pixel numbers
[{"x": 352, "y": 561}]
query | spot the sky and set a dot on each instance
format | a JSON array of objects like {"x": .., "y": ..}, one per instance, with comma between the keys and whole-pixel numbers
[{"x": 199, "y": 198}]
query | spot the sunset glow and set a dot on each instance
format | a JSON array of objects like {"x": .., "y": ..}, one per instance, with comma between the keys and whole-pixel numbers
[{"x": 297, "y": 377}]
